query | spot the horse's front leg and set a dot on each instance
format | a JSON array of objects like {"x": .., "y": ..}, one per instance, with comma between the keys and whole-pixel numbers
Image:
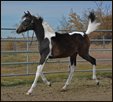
[
  {"x": 38, "y": 72},
  {"x": 72, "y": 68},
  {"x": 45, "y": 80}
]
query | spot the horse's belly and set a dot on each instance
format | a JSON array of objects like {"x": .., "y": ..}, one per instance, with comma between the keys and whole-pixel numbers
[
  {"x": 62, "y": 47},
  {"x": 57, "y": 52}
]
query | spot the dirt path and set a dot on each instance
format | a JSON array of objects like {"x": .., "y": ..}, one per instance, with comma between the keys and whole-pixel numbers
[{"x": 79, "y": 90}]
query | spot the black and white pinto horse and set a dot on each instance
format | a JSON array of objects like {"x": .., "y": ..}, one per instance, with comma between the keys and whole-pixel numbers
[{"x": 55, "y": 45}]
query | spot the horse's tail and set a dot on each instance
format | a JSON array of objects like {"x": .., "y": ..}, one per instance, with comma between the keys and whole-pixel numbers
[{"x": 92, "y": 26}]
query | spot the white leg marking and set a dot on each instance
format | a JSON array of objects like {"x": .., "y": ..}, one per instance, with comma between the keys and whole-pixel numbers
[
  {"x": 44, "y": 79},
  {"x": 69, "y": 77},
  {"x": 94, "y": 74},
  {"x": 38, "y": 72},
  {"x": 42, "y": 75}
]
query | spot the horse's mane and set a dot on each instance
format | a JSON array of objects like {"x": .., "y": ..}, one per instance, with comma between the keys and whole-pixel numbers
[{"x": 47, "y": 27}]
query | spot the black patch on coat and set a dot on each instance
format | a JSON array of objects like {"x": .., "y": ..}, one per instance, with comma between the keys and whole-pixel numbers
[
  {"x": 64, "y": 45},
  {"x": 44, "y": 46}
]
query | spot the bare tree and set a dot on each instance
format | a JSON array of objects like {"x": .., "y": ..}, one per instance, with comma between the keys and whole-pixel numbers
[
  {"x": 64, "y": 25},
  {"x": 75, "y": 21},
  {"x": 104, "y": 16}
]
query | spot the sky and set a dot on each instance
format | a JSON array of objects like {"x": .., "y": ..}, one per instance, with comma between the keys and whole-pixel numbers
[{"x": 51, "y": 11}]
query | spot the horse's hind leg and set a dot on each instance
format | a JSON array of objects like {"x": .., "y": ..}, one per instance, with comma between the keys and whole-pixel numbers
[
  {"x": 71, "y": 71},
  {"x": 93, "y": 62}
]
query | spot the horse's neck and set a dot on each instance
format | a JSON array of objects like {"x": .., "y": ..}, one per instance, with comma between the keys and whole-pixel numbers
[
  {"x": 43, "y": 31},
  {"x": 39, "y": 31}
]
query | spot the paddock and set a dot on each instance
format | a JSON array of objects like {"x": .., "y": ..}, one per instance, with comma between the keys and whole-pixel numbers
[
  {"x": 80, "y": 90},
  {"x": 18, "y": 74}
]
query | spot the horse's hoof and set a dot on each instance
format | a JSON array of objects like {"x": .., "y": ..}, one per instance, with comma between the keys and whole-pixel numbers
[
  {"x": 49, "y": 84},
  {"x": 63, "y": 90},
  {"x": 98, "y": 83},
  {"x": 28, "y": 93}
]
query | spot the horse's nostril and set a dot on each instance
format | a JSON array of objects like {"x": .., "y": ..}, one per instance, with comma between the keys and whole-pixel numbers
[{"x": 17, "y": 30}]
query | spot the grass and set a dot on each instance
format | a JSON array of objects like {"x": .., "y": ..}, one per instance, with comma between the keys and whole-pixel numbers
[
  {"x": 23, "y": 80},
  {"x": 49, "y": 67}
]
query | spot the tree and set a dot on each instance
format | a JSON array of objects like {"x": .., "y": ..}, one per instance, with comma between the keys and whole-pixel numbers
[
  {"x": 75, "y": 21},
  {"x": 64, "y": 25},
  {"x": 104, "y": 16}
]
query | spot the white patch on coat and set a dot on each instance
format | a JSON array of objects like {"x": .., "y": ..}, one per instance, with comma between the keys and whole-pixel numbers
[
  {"x": 23, "y": 18},
  {"x": 81, "y": 33},
  {"x": 49, "y": 32}
]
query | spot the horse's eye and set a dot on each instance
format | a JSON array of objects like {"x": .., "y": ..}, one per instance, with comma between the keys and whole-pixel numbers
[{"x": 26, "y": 23}]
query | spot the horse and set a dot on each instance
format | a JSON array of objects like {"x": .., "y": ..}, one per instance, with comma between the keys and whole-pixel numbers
[{"x": 56, "y": 45}]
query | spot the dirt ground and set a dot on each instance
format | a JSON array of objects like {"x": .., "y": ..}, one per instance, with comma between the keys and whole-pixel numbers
[{"x": 79, "y": 90}]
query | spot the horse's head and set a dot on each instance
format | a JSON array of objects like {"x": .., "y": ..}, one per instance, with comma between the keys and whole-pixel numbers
[{"x": 28, "y": 22}]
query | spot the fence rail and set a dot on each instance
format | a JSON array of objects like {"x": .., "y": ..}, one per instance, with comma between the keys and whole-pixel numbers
[
  {"x": 63, "y": 61},
  {"x": 27, "y": 51},
  {"x": 55, "y": 72},
  {"x": 3, "y": 52}
]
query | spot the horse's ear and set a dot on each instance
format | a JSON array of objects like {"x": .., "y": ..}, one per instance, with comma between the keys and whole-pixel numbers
[
  {"x": 40, "y": 19},
  {"x": 25, "y": 13},
  {"x": 28, "y": 13}
]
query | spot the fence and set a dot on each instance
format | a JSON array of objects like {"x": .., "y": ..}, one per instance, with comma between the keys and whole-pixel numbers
[{"x": 27, "y": 51}]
